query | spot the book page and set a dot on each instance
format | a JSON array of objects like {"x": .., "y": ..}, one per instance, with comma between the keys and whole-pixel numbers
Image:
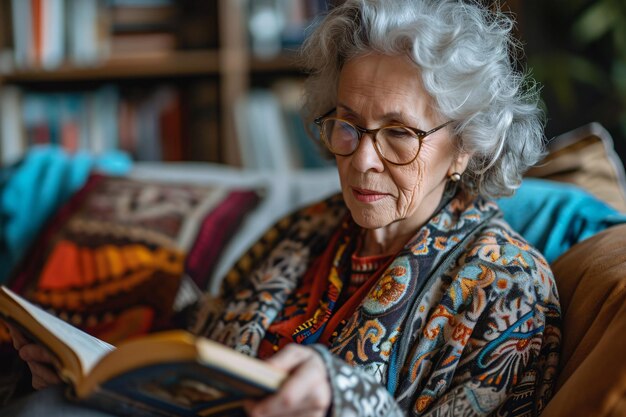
[{"x": 89, "y": 349}]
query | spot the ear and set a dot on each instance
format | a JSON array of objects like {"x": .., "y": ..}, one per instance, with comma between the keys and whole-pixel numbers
[{"x": 460, "y": 163}]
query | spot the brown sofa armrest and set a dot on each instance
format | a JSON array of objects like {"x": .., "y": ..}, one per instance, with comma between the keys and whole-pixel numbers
[{"x": 591, "y": 278}]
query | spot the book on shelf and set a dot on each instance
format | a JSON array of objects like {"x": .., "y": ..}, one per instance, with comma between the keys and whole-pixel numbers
[
  {"x": 144, "y": 122},
  {"x": 76, "y": 121},
  {"x": 104, "y": 115},
  {"x": 271, "y": 133},
  {"x": 263, "y": 140},
  {"x": 146, "y": 27},
  {"x": 142, "y": 17},
  {"x": 133, "y": 44},
  {"x": 52, "y": 44},
  {"x": 49, "y": 33},
  {"x": 200, "y": 113},
  {"x": 21, "y": 20},
  {"x": 308, "y": 153},
  {"x": 43, "y": 28},
  {"x": 164, "y": 374},
  {"x": 171, "y": 129},
  {"x": 86, "y": 32},
  {"x": 12, "y": 140}
]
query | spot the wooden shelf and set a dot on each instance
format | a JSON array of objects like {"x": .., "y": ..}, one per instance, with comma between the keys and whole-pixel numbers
[
  {"x": 285, "y": 62},
  {"x": 176, "y": 64}
]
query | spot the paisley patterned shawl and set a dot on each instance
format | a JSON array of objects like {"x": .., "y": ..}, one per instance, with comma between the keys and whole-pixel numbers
[{"x": 464, "y": 321}]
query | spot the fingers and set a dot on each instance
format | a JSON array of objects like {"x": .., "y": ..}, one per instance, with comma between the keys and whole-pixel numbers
[
  {"x": 306, "y": 389},
  {"x": 43, "y": 375},
  {"x": 19, "y": 339},
  {"x": 38, "y": 383},
  {"x": 40, "y": 360},
  {"x": 290, "y": 357},
  {"x": 36, "y": 353},
  {"x": 306, "y": 392}
]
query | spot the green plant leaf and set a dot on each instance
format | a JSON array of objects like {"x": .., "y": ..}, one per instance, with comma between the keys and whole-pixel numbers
[{"x": 597, "y": 20}]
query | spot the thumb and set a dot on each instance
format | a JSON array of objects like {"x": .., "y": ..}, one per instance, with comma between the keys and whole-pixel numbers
[{"x": 290, "y": 357}]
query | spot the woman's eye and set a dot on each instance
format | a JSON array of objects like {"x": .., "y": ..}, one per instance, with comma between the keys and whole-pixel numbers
[
  {"x": 346, "y": 130},
  {"x": 398, "y": 133}
]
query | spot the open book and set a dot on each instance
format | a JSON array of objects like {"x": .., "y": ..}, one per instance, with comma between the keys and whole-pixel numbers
[{"x": 165, "y": 374}]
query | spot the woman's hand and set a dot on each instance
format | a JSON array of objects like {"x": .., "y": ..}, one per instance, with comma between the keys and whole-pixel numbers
[
  {"x": 306, "y": 392},
  {"x": 38, "y": 358}
]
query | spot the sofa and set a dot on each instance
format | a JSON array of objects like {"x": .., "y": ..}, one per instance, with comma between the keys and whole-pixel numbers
[
  {"x": 196, "y": 220},
  {"x": 591, "y": 279}
]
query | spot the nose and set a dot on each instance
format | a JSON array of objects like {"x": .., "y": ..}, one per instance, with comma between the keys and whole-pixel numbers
[{"x": 366, "y": 157}]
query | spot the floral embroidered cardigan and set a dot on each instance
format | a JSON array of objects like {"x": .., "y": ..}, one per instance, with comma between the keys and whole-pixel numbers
[{"x": 464, "y": 321}]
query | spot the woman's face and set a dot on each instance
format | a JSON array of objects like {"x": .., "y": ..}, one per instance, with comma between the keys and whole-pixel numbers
[{"x": 378, "y": 90}]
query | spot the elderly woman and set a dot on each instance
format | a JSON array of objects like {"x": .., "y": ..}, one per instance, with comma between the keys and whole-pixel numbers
[{"x": 407, "y": 294}]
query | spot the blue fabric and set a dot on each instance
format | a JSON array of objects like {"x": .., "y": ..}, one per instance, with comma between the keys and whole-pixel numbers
[
  {"x": 37, "y": 186},
  {"x": 553, "y": 216}
]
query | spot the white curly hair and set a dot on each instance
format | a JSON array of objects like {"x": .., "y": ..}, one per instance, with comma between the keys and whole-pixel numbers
[{"x": 466, "y": 56}]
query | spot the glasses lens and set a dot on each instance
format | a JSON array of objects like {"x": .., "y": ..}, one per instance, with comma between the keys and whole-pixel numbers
[
  {"x": 397, "y": 144},
  {"x": 341, "y": 138}
]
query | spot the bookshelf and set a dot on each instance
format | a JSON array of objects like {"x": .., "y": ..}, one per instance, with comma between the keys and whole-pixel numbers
[
  {"x": 213, "y": 66},
  {"x": 174, "y": 64}
]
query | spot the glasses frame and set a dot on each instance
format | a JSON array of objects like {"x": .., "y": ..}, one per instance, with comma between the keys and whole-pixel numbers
[{"x": 420, "y": 135}]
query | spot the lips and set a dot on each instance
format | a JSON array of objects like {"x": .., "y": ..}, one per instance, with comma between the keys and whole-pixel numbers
[{"x": 367, "y": 196}]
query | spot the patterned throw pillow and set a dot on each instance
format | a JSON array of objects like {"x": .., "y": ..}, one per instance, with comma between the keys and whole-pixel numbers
[{"x": 112, "y": 260}]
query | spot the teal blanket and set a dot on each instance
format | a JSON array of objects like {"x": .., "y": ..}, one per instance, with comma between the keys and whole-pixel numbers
[
  {"x": 34, "y": 188},
  {"x": 553, "y": 216}
]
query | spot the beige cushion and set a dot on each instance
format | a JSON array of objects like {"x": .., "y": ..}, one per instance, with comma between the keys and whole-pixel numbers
[
  {"x": 591, "y": 278},
  {"x": 585, "y": 157}
]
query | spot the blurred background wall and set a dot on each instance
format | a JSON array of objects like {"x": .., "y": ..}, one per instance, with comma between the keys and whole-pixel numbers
[{"x": 577, "y": 50}]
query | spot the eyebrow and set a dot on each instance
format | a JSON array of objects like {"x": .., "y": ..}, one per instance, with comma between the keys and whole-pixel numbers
[{"x": 393, "y": 116}]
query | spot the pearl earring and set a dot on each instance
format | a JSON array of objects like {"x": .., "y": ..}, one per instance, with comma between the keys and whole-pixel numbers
[{"x": 455, "y": 177}]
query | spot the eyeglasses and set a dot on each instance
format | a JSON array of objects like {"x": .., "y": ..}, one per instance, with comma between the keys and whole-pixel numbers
[{"x": 396, "y": 144}]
